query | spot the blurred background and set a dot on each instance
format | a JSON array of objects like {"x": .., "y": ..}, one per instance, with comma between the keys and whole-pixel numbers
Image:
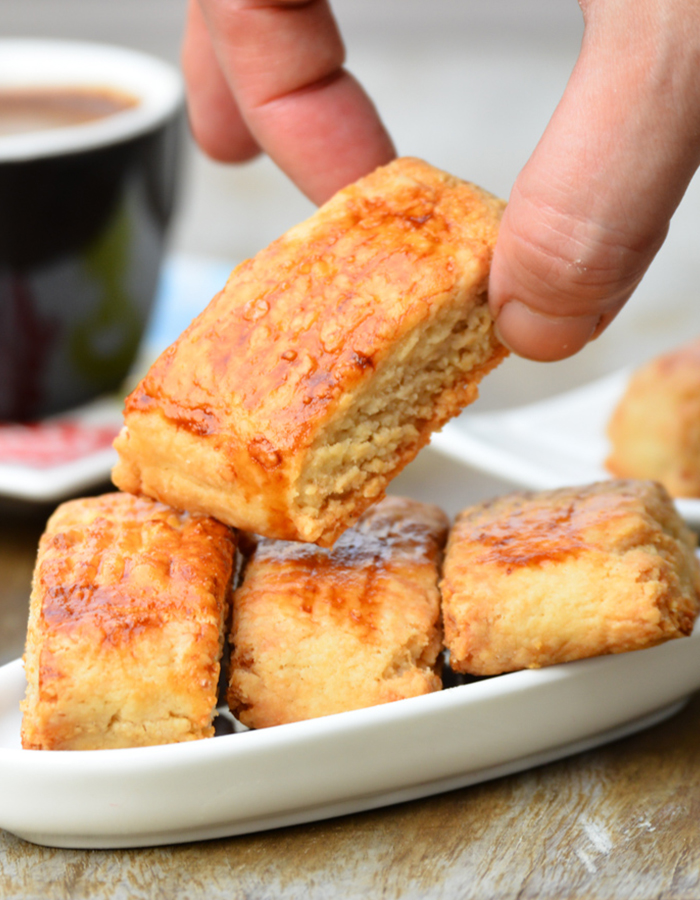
[{"x": 469, "y": 86}]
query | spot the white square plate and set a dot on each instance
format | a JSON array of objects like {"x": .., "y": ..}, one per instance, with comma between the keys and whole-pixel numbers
[{"x": 554, "y": 443}]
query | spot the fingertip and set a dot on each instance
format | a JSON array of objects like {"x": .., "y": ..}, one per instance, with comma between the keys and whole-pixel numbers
[
  {"x": 224, "y": 145},
  {"x": 543, "y": 338}
]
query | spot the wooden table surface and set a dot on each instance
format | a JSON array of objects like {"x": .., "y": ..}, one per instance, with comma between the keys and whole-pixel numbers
[{"x": 622, "y": 821}]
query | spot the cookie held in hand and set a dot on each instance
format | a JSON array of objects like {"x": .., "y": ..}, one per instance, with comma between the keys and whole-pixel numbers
[{"x": 326, "y": 362}]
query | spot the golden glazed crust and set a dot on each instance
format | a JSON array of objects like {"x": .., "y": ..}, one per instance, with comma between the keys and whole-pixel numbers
[
  {"x": 317, "y": 632},
  {"x": 655, "y": 429},
  {"x": 126, "y": 625},
  {"x": 533, "y": 579},
  {"x": 325, "y": 363}
]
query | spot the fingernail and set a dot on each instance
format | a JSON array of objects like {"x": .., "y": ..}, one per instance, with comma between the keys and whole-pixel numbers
[{"x": 544, "y": 338}]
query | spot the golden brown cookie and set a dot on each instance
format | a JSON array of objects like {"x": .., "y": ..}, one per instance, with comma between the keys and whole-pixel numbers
[
  {"x": 320, "y": 631},
  {"x": 532, "y": 579},
  {"x": 325, "y": 363},
  {"x": 655, "y": 429},
  {"x": 126, "y": 625}
]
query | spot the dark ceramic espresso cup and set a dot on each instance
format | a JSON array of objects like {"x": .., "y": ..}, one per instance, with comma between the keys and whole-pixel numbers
[{"x": 84, "y": 211}]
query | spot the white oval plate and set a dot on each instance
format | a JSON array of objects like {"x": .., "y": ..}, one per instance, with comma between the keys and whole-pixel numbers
[
  {"x": 554, "y": 443},
  {"x": 244, "y": 782}
]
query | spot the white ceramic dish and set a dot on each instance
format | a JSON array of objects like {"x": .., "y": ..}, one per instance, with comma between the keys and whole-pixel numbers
[
  {"x": 554, "y": 443},
  {"x": 81, "y": 438},
  {"x": 256, "y": 780}
]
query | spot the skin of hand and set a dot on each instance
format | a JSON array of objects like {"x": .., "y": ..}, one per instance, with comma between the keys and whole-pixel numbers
[
  {"x": 268, "y": 75},
  {"x": 592, "y": 206},
  {"x": 589, "y": 210}
]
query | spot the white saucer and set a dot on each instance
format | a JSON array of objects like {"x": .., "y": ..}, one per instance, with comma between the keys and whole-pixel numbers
[
  {"x": 256, "y": 780},
  {"x": 554, "y": 443},
  {"x": 79, "y": 453}
]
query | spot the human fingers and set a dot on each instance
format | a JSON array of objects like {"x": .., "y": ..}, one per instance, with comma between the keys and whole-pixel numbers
[
  {"x": 592, "y": 206},
  {"x": 283, "y": 60},
  {"x": 215, "y": 120}
]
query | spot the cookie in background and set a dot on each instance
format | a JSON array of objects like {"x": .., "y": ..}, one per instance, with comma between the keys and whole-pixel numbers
[
  {"x": 126, "y": 626},
  {"x": 655, "y": 429}
]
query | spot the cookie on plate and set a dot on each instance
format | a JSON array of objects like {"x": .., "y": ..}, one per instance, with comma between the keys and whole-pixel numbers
[
  {"x": 533, "y": 579},
  {"x": 655, "y": 429},
  {"x": 320, "y": 631},
  {"x": 325, "y": 363},
  {"x": 126, "y": 625}
]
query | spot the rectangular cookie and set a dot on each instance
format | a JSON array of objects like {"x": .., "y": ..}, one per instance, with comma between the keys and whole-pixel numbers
[
  {"x": 655, "y": 429},
  {"x": 320, "y": 631},
  {"x": 126, "y": 625},
  {"x": 533, "y": 579},
  {"x": 326, "y": 362}
]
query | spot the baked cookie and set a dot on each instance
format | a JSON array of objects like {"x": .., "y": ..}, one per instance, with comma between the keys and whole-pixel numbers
[
  {"x": 325, "y": 363},
  {"x": 320, "y": 631},
  {"x": 655, "y": 429},
  {"x": 533, "y": 579},
  {"x": 126, "y": 625}
]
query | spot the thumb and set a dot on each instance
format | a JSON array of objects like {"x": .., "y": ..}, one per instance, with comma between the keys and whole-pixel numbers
[{"x": 591, "y": 207}]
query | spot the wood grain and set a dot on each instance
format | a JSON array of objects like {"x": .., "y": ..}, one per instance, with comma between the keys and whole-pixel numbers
[{"x": 620, "y": 821}]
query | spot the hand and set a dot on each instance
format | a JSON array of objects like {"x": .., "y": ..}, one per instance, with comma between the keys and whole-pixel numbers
[
  {"x": 268, "y": 75},
  {"x": 588, "y": 212},
  {"x": 592, "y": 206}
]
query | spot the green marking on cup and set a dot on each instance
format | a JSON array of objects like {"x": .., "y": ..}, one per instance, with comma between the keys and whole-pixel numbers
[{"x": 103, "y": 345}]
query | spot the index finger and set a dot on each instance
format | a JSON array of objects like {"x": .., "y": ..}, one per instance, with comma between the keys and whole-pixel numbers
[
  {"x": 283, "y": 61},
  {"x": 215, "y": 120}
]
